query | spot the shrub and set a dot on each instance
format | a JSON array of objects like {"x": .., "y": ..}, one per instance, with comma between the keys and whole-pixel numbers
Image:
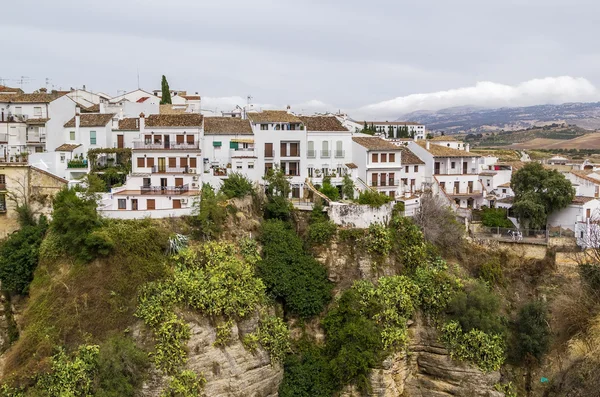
[
  {"x": 482, "y": 349},
  {"x": 185, "y": 384},
  {"x": 274, "y": 336},
  {"x": 378, "y": 239},
  {"x": 495, "y": 217},
  {"x": 532, "y": 332},
  {"x": 209, "y": 213},
  {"x": 348, "y": 187},
  {"x": 122, "y": 368},
  {"x": 477, "y": 307},
  {"x": 436, "y": 287},
  {"x": 321, "y": 232},
  {"x": 72, "y": 376},
  {"x": 409, "y": 244},
  {"x": 330, "y": 191},
  {"x": 236, "y": 186},
  {"x": 278, "y": 207},
  {"x": 291, "y": 274},
  {"x": 372, "y": 198},
  {"x": 351, "y": 235},
  {"x": 307, "y": 374},
  {"x": 249, "y": 250},
  {"x": 491, "y": 272}
]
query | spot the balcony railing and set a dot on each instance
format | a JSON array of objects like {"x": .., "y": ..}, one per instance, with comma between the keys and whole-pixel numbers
[
  {"x": 339, "y": 154},
  {"x": 325, "y": 154},
  {"x": 386, "y": 183},
  {"x": 170, "y": 170},
  {"x": 77, "y": 164},
  {"x": 166, "y": 190},
  {"x": 311, "y": 154},
  {"x": 291, "y": 154},
  {"x": 166, "y": 145}
]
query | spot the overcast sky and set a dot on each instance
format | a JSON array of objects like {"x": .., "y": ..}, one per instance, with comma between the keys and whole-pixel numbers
[{"x": 372, "y": 58}]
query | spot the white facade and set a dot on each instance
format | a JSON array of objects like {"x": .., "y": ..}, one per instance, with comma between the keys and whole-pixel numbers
[{"x": 379, "y": 164}]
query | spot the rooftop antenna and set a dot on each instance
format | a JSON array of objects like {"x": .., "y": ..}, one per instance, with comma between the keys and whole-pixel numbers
[
  {"x": 47, "y": 82},
  {"x": 249, "y": 98},
  {"x": 23, "y": 80}
]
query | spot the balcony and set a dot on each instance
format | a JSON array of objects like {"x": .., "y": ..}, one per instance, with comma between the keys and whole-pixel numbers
[
  {"x": 170, "y": 170},
  {"x": 291, "y": 154},
  {"x": 243, "y": 152},
  {"x": 77, "y": 164},
  {"x": 339, "y": 154},
  {"x": 166, "y": 145},
  {"x": 325, "y": 154},
  {"x": 311, "y": 154},
  {"x": 165, "y": 190},
  {"x": 386, "y": 183}
]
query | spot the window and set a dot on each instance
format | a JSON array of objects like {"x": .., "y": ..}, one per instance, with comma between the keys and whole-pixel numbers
[
  {"x": 268, "y": 167},
  {"x": 62, "y": 157},
  {"x": 311, "y": 150},
  {"x": 416, "y": 168},
  {"x": 374, "y": 158},
  {"x": 183, "y": 162},
  {"x": 503, "y": 190},
  {"x": 453, "y": 165},
  {"x": 217, "y": 144},
  {"x": 392, "y": 157},
  {"x": 264, "y": 127},
  {"x": 150, "y": 162},
  {"x": 325, "y": 149},
  {"x": 141, "y": 162},
  {"x": 193, "y": 162},
  {"x": 339, "y": 149},
  {"x": 37, "y": 111},
  {"x": 176, "y": 204},
  {"x": 189, "y": 139},
  {"x": 384, "y": 157},
  {"x": 310, "y": 171},
  {"x": 2, "y": 179},
  {"x": 2, "y": 202},
  {"x": 233, "y": 145},
  {"x": 269, "y": 149},
  {"x": 172, "y": 162},
  {"x": 92, "y": 137},
  {"x": 150, "y": 204},
  {"x": 179, "y": 139},
  {"x": 122, "y": 204},
  {"x": 250, "y": 166},
  {"x": 294, "y": 152},
  {"x": 238, "y": 166},
  {"x": 406, "y": 169},
  {"x": 283, "y": 148},
  {"x": 72, "y": 135}
]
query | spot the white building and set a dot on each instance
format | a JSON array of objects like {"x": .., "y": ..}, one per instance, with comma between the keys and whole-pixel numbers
[
  {"x": 587, "y": 183},
  {"x": 390, "y": 129}
]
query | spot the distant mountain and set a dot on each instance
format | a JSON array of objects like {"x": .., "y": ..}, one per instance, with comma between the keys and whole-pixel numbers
[{"x": 476, "y": 119}]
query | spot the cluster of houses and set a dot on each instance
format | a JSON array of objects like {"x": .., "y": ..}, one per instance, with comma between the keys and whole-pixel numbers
[{"x": 162, "y": 154}]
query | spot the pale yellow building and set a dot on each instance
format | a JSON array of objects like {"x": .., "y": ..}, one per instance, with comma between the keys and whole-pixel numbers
[{"x": 25, "y": 183}]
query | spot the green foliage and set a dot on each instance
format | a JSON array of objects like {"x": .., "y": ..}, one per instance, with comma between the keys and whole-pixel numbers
[
  {"x": 278, "y": 207},
  {"x": 250, "y": 341},
  {"x": 307, "y": 374},
  {"x": 477, "y": 307},
  {"x": 185, "y": 384},
  {"x": 409, "y": 243},
  {"x": 378, "y": 239},
  {"x": 209, "y": 213},
  {"x": 372, "y": 198},
  {"x": 539, "y": 192},
  {"x": 491, "y": 272},
  {"x": 165, "y": 98},
  {"x": 274, "y": 336},
  {"x": 329, "y": 190},
  {"x": 348, "y": 187},
  {"x": 224, "y": 333},
  {"x": 72, "y": 376},
  {"x": 93, "y": 184},
  {"x": 508, "y": 389},
  {"x": 532, "y": 332},
  {"x": 290, "y": 273},
  {"x": 237, "y": 186},
  {"x": 171, "y": 336},
  {"x": 482, "y": 349},
  {"x": 436, "y": 286},
  {"x": 122, "y": 368},
  {"x": 19, "y": 255},
  {"x": 249, "y": 250},
  {"x": 495, "y": 217},
  {"x": 321, "y": 232},
  {"x": 277, "y": 183},
  {"x": 73, "y": 221},
  {"x": 351, "y": 235}
]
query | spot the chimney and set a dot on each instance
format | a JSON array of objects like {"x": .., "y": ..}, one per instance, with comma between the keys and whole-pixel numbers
[
  {"x": 289, "y": 109},
  {"x": 467, "y": 147},
  {"x": 84, "y": 87},
  {"x": 102, "y": 106},
  {"x": 77, "y": 121},
  {"x": 142, "y": 122},
  {"x": 427, "y": 145}
]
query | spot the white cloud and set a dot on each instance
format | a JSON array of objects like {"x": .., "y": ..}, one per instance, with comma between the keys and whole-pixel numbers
[{"x": 549, "y": 90}]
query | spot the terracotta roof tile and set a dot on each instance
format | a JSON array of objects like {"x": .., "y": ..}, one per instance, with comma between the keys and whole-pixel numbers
[
  {"x": 375, "y": 143},
  {"x": 273, "y": 116},
  {"x": 91, "y": 120},
  {"x": 92, "y": 109},
  {"x": 30, "y": 98},
  {"x": 168, "y": 109},
  {"x": 174, "y": 120},
  {"x": 5, "y": 89},
  {"x": 36, "y": 121},
  {"x": 143, "y": 99},
  {"x": 584, "y": 175},
  {"x": 226, "y": 126},
  {"x": 409, "y": 158},
  {"x": 352, "y": 166},
  {"x": 191, "y": 97},
  {"x": 66, "y": 147},
  {"x": 129, "y": 124},
  {"x": 322, "y": 123},
  {"x": 582, "y": 200},
  {"x": 507, "y": 184},
  {"x": 443, "y": 151},
  {"x": 487, "y": 173}
]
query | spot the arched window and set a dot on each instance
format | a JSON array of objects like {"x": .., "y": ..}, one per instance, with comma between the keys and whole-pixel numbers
[{"x": 339, "y": 149}]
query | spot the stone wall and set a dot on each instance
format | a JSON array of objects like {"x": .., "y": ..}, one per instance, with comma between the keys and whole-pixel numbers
[
  {"x": 359, "y": 216},
  {"x": 524, "y": 250}
]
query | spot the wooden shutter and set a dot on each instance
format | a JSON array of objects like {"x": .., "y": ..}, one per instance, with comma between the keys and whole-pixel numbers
[
  {"x": 179, "y": 138},
  {"x": 392, "y": 157},
  {"x": 294, "y": 149},
  {"x": 373, "y": 179},
  {"x": 178, "y": 181},
  {"x": 172, "y": 162},
  {"x": 375, "y": 158},
  {"x": 189, "y": 139},
  {"x": 183, "y": 162},
  {"x": 140, "y": 162},
  {"x": 193, "y": 162},
  {"x": 150, "y": 162},
  {"x": 269, "y": 149},
  {"x": 150, "y": 204},
  {"x": 120, "y": 141},
  {"x": 283, "y": 148},
  {"x": 383, "y": 157},
  {"x": 176, "y": 203}
]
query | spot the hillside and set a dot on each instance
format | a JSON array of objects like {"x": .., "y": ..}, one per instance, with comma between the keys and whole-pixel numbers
[{"x": 473, "y": 119}]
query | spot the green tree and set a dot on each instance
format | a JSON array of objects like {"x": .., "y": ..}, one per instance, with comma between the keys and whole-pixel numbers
[
  {"x": 348, "y": 187},
  {"x": 495, "y": 217},
  {"x": 165, "y": 98},
  {"x": 210, "y": 213},
  {"x": 538, "y": 193},
  {"x": 373, "y": 198},
  {"x": 329, "y": 190},
  {"x": 236, "y": 186},
  {"x": 532, "y": 332}
]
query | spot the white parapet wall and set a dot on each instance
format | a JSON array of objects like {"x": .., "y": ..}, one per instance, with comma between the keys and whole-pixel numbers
[{"x": 359, "y": 216}]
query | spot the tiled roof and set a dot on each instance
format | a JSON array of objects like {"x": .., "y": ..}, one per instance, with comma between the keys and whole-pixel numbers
[
  {"x": 36, "y": 121},
  {"x": 143, "y": 99},
  {"x": 30, "y": 98},
  {"x": 273, "y": 116},
  {"x": 389, "y": 122},
  {"x": 443, "y": 151},
  {"x": 582, "y": 200},
  {"x": 168, "y": 109},
  {"x": 191, "y": 97},
  {"x": 443, "y": 138},
  {"x": 226, "y": 126},
  {"x": 91, "y": 109},
  {"x": 91, "y": 120},
  {"x": 487, "y": 173},
  {"x": 507, "y": 184},
  {"x": 322, "y": 123},
  {"x": 351, "y": 166},
  {"x": 66, "y": 147},
  {"x": 409, "y": 158},
  {"x": 5, "y": 89},
  {"x": 129, "y": 124},
  {"x": 506, "y": 200},
  {"x": 174, "y": 120},
  {"x": 375, "y": 143},
  {"x": 584, "y": 175}
]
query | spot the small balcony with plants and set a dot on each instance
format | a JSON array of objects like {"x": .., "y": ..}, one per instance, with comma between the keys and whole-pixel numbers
[{"x": 78, "y": 162}]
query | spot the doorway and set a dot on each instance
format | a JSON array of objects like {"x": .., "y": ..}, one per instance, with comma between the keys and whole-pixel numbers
[
  {"x": 134, "y": 204},
  {"x": 162, "y": 164}
]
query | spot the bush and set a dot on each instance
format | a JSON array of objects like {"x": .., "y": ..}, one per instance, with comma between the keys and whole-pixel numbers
[
  {"x": 477, "y": 307},
  {"x": 378, "y": 239},
  {"x": 291, "y": 274},
  {"x": 237, "y": 186},
  {"x": 321, "y": 232},
  {"x": 436, "y": 287},
  {"x": 307, "y": 374},
  {"x": 372, "y": 198},
  {"x": 209, "y": 212},
  {"x": 348, "y": 187},
  {"x": 482, "y": 349},
  {"x": 532, "y": 332},
  {"x": 71, "y": 376},
  {"x": 495, "y": 217},
  {"x": 274, "y": 337},
  {"x": 491, "y": 272},
  {"x": 330, "y": 191},
  {"x": 122, "y": 368},
  {"x": 409, "y": 244},
  {"x": 184, "y": 384},
  {"x": 278, "y": 207}
]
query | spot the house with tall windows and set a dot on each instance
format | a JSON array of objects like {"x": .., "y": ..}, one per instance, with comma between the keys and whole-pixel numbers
[
  {"x": 165, "y": 180},
  {"x": 389, "y": 129}
]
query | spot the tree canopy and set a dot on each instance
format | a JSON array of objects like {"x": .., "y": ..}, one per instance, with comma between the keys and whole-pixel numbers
[{"x": 538, "y": 193}]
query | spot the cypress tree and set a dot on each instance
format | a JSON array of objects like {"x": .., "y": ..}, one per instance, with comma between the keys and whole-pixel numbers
[{"x": 166, "y": 92}]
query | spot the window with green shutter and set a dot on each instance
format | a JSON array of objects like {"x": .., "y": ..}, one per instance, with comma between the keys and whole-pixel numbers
[
  {"x": 216, "y": 144},
  {"x": 72, "y": 135},
  {"x": 233, "y": 145},
  {"x": 92, "y": 137}
]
